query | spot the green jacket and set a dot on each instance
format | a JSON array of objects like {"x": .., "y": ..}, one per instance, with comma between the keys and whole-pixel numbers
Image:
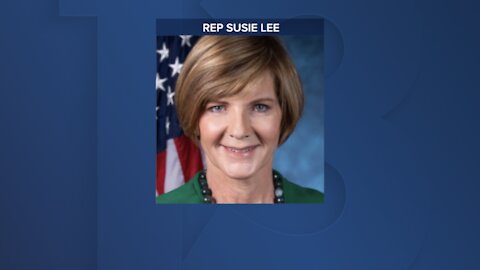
[{"x": 190, "y": 193}]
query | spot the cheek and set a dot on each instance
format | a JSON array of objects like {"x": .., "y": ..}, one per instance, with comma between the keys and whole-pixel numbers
[
  {"x": 271, "y": 132},
  {"x": 269, "y": 128},
  {"x": 210, "y": 129}
]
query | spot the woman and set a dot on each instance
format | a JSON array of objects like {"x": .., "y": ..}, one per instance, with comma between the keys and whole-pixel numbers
[{"x": 239, "y": 98}]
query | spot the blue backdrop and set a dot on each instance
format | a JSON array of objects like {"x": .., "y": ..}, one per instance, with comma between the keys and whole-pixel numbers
[
  {"x": 77, "y": 151},
  {"x": 294, "y": 158}
]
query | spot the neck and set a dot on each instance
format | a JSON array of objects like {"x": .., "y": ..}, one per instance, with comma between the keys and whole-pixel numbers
[{"x": 255, "y": 189}]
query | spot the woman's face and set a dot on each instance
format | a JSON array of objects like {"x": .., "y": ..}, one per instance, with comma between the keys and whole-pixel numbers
[{"x": 240, "y": 134}]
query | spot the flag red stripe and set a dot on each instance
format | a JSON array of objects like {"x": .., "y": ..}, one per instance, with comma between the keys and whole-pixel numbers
[
  {"x": 189, "y": 155},
  {"x": 161, "y": 160}
]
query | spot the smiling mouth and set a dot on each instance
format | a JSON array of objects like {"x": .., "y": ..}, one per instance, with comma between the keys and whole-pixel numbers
[{"x": 240, "y": 150}]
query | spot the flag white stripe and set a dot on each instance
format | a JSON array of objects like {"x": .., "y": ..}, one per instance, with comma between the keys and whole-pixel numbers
[{"x": 173, "y": 169}]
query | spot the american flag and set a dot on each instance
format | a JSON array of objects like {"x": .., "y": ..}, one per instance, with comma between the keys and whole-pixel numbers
[{"x": 178, "y": 158}]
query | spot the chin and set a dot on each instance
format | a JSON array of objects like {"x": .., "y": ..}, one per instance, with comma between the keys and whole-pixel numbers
[{"x": 240, "y": 171}]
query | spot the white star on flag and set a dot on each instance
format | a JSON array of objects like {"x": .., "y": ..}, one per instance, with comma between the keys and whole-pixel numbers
[
  {"x": 163, "y": 52},
  {"x": 176, "y": 67},
  {"x": 159, "y": 83},
  {"x": 186, "y": 40},
  {"x": 170, "y": 95}
]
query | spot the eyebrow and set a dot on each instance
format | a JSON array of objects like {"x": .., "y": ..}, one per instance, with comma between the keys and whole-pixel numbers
[{"x": 264, "y": 99}]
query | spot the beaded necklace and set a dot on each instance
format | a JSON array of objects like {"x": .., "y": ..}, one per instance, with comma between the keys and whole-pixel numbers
[{"x": 208, "y": 196}]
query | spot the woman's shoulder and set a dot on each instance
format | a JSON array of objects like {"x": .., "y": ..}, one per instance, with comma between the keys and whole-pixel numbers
[
  {"x": 187, "y": 193},
  {"x": 294, "y": 193}
]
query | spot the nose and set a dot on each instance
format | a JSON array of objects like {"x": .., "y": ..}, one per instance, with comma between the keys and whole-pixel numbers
[{"x": 239, "y": 125}]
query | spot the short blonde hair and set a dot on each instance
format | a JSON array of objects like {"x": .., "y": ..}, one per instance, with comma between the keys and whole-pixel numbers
[{"x": 221, "y": 66}]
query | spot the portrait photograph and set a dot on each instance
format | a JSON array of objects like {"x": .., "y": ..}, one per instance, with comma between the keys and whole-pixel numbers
[{"x": 240, "y": 119}]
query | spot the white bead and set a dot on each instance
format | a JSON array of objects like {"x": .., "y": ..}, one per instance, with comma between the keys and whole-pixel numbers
[{"x": 278, "y": 192}]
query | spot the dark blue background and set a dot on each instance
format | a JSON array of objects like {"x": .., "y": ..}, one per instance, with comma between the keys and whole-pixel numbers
[{"x": 77, "y": 151}]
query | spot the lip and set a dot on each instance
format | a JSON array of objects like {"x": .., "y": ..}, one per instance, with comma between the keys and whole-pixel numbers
[{"x": 240, "y": 151}]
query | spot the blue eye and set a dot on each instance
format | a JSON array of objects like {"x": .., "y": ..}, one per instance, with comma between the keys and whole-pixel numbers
[
  {"x": 217, "y": 108},
  {"x": 261, "y": 108}
]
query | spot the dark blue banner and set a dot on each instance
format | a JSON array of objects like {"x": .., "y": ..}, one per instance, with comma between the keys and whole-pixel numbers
[{"x": 251, "y": 27}]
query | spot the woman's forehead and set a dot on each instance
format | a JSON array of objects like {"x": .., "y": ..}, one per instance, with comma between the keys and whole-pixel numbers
[{"x": 261, "y": 87}]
